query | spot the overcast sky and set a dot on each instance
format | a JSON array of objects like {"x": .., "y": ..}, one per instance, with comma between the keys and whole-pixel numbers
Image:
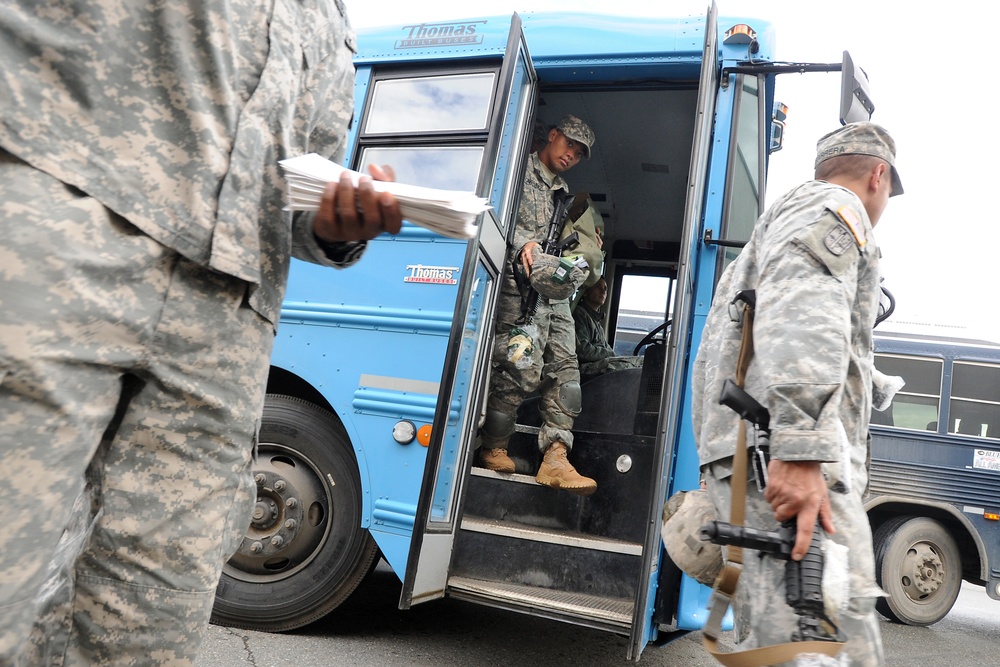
[{"x": 931, "y": 79}]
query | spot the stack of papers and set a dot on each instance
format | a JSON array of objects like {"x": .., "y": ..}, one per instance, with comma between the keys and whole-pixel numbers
[{"x": 448, "y": 212}]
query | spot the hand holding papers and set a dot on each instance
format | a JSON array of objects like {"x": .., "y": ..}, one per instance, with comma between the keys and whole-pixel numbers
[{"x": 447, "y": 212}]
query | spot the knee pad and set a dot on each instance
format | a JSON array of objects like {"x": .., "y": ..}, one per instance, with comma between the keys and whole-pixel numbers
[
  {"x": 498, "y": 425},
  {"x": 571, "y": 398}
]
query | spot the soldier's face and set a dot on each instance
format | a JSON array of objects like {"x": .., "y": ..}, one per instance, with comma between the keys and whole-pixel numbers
[
  {"x": 598, "y": 294},
  {"x": 561, "y": 153}
]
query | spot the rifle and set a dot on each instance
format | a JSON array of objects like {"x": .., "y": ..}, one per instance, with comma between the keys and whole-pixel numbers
[
  {"x": 551, "y": 246},
  {"x": 803, "y": 579}
]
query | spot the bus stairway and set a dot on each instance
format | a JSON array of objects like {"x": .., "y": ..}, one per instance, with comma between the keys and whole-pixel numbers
[{"x": 530, "y": 548}]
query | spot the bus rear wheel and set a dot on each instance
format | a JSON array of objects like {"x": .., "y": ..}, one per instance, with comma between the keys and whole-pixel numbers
[
  {"x": 918, "y": 565},
  {"x": 305, "y": 551}
]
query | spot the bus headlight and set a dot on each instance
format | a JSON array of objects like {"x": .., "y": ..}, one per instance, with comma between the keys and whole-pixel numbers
[{"x": 404, "y": 432}]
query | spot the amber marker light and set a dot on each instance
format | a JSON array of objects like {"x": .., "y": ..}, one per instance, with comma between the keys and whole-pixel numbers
[
  {"x": 740, "y": 33},
  {"x": 424, "y": 435},
  {"x": 991, "y": 516}
]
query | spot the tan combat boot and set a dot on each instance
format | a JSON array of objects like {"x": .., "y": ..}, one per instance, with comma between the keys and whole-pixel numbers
[
  {"x": 556, "y": 471},
  {"x": 496, "y": 460}
]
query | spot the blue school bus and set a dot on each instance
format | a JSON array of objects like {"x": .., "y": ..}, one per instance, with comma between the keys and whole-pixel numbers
[
  {"x": 379, "y": 372},
  {"x": 934, "y": 492}
]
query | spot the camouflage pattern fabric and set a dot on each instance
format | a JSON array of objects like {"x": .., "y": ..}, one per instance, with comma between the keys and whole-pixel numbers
[
  {"x": 816, "y": 280},
  {"x": 86, "y": 297},
  {"x": 576, "y": 129},
  {"x": 144, "y": 259},
  {"x": 596, "y": 356},
  {"x": 190, "y": 160},
  {"x": 555, "y": 340},
  {"x": 608, "y": 365}
]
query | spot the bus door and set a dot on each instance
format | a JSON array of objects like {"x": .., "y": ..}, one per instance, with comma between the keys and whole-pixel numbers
[
  {"x": 465, "y": 374},
  {"x": 512, "y": 543},
  {"x": 691, "y": 595}
]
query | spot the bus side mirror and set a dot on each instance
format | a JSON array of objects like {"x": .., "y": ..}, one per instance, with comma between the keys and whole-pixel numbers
[
  {"x": 778, "y": 117},
  {"x": 855, "y": 101}
]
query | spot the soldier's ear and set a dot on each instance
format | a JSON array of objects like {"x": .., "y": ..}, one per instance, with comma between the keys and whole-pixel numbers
[{"x": 879, "y": 177}]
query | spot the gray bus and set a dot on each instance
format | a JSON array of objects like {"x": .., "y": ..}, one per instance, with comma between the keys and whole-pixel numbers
[{"x": 934, "y": 496}]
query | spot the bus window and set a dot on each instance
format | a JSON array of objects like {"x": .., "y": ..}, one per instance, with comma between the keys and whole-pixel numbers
[
  {"x": 431, "y": 104},
  {"x": 444, "y": 167},
  {"x": 432, "y": 128},
  {"x": 746, "y": 173},
  {"x": 918, "y": 403},
  {"x": 644, "y": 304},
  {"x": 975, "y": 400}
]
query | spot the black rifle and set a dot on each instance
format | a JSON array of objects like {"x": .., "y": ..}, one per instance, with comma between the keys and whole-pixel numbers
[
  {"x": 803, "y": 579},
  {"x": 551, "y": 246}
]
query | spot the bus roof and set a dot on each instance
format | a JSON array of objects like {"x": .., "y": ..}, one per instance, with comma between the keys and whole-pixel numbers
[
  {"x": 553, "y": 36},
  {"x": 939, "y": 346}
]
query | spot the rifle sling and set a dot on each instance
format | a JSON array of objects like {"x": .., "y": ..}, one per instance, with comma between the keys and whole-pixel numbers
[{"x": 728, "y": 579}]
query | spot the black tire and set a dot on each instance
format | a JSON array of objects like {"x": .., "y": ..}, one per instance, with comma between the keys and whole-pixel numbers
[
  {"x": 917, "y": 563},
  {"x": 305, "y": 551}
]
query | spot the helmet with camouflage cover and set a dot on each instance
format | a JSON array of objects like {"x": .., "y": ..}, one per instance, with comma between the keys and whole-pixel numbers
[
  {"x": 683, "y": 516},
  {"x": 554, "y": 277}
]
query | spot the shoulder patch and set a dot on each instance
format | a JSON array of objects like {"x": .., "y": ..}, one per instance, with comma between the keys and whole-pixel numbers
[
  {"x": 831, "y": 242},
  {"x": 838, "y": 240},
  {"x": 853, "y": 222}
]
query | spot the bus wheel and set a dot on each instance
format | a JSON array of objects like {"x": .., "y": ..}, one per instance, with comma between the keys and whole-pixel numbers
[
  {"x": 305, "y": 551},
  {"x": 917, "y": 564}
]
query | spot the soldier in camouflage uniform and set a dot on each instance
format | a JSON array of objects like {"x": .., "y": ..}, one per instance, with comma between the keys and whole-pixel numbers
[
  {"x": 814, "y": 265},
  {"x": 592, "y": 349},
  {"x": 551, "y": 368},
  {"x": 144, "y": 258}
]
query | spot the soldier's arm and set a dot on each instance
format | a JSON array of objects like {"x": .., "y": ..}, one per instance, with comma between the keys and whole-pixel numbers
[
  {"x": 802, "y": 333},
  {"x": 586, "y": 350},
  {"x": 336, "y": 234}
]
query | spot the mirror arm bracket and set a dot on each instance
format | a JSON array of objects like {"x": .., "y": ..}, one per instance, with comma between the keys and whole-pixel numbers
[{"x": 708, "y": 240}]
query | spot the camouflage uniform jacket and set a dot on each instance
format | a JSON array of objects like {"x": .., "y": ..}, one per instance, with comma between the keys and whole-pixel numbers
[
  {"x": 591, "y": 344},
  {"x": 534, "y": 211},
  {"x": 188, "y": 156},
  {"x": 814, "y": 264}
]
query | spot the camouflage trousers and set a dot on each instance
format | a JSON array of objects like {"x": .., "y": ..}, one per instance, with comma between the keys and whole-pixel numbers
[
  {"x": 131, "y": 384},
  {"x": 761, "y": 615},
  {"x": 553, "y": 368},
  {"x": 609, "y": 364}
]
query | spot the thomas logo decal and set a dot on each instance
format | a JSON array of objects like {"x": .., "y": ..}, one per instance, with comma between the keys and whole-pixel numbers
[
  {"x": 435, "y": 275},
  {"x": 440, "y": 34}
]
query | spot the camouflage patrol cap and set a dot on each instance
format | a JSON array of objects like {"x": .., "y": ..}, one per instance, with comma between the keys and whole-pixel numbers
[
  {"x": 863, "y": 138},
  {"x": 574, "y": 128},
  {"x": 555, "y": 278},
  {"x": 683, "y": 516}
]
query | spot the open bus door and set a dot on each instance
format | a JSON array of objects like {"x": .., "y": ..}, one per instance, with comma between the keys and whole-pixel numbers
[
  {"x": 465, "y": 376},
  {"x": 679, "y": 341}
]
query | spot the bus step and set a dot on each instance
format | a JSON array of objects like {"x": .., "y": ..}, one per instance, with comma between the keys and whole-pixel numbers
[
  {"x": 593, "y": 610},
  {"x": 550, "y": 536},
  {"x": 507, "y": 477}
]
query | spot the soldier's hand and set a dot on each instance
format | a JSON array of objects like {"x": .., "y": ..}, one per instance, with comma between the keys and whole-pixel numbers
[
  {"x": 349, "y": 213},
  {"x": 526, "y": 258},
  {"x": 798, "y": 489}
]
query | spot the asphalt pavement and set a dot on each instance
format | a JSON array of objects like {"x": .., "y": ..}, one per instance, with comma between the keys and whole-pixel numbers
[{"x": 369, "y": 631}]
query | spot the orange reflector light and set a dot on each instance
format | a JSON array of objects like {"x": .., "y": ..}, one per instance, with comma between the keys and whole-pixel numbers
[
  {"x": 740, "y": 34},
  {"x": 991, "y": 516},
  {"x": 424, "y": 435}
]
